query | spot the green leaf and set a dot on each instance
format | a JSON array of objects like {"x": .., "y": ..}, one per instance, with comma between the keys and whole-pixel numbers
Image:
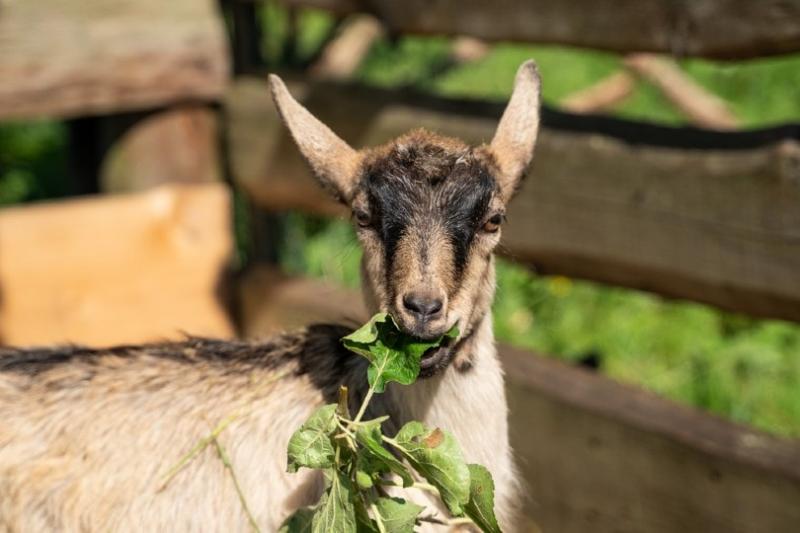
[
  {"x": 481, "y": 499},
  {"x": 368, "y": 333},
  {"x": 376, "y": 456},
  {"x": 393, "y": 355},
  {"x": 435, "y": 454},
  {"x": 398, "y": 515},
  {"x": 336, "y": 511},
  {"x": 311, "y": 445},
  {"x": 299, "y": 522}
]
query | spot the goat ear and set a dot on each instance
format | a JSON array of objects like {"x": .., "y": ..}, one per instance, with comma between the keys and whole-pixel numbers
[
  {"x": 516, "y": 134},
  {"x": 332, "y": 160}
]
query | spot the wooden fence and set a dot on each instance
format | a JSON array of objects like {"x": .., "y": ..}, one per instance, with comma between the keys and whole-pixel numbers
[
  {"x": 726, "y": 29},
  {"x": 694, "y": 214},
  {"x": 688, "y": 213}
]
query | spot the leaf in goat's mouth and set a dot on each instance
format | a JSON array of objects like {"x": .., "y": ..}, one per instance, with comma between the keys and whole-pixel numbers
[{"x": 393, "y": 355}]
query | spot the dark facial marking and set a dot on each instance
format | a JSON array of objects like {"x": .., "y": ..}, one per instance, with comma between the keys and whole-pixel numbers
[
  {"x": 465, "y": 202},
  {"x": 427, "y": 184}
]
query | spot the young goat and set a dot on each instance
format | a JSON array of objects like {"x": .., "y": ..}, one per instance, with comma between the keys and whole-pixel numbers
[{"x": 87, "y": 435}]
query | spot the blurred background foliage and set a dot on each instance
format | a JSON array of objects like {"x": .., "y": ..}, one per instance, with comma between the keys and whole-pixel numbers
[{"x": 732, "y": 365}]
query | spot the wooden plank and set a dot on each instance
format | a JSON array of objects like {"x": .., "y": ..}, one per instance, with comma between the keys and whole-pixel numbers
[
  {"x": 721, "y": 29},
  {"x": 76, "y": 57},
  {"x": 271, "y": 301},
  {"x": 600, "y": 456},
  {"x": 117, "y": 269},
  {"x": 711, "y": 217},
  {"x": 596, "y": 455}
]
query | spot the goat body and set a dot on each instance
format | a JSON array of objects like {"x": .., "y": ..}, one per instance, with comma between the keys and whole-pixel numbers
[{"x": 87, "y": 436}]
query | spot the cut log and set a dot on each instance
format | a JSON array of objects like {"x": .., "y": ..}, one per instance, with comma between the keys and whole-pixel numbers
[
  {"x": 116, "y": 269},
  {"x": 78, "y": 57},
  {"x": 596, "y": 455},
  {"x": 707, "y": 216},
  {"x": 722, "y": 29}
]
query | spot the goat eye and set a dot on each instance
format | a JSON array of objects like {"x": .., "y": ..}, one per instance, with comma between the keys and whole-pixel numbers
[
  {"x": 363, "y": 219},
  {"x": 493, "y": 224}
]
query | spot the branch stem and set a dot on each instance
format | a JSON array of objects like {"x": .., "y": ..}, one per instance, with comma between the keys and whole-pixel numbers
[
  {"x": 378, "y": 517},
  {"x": 363, "y": 409}
]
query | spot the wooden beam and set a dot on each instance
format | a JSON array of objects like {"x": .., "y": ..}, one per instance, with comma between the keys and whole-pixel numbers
[
  {"x": 595, "y": 455},
  {"x": 706, "y": 216},
  {"x": 77, "y": 57},
  {"x": 116, "y": 269},
  {"x": 720, "y": 29}
]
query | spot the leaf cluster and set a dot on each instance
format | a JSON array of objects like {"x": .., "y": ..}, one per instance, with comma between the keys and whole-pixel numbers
[{"x": 360, "y": 463}]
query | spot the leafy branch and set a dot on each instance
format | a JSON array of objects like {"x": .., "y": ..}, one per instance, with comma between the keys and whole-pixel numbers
[{"x": 358, "y": 466}]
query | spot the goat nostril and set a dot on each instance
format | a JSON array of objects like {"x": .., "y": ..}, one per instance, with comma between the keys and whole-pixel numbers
[{"x": 422, "y": 305}]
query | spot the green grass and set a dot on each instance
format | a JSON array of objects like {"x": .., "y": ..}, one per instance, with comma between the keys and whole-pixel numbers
[
  {"x": 32, "y": 161},
  {"x": 760, "y": 93}
]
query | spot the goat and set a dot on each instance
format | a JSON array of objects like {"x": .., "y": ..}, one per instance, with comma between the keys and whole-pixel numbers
[{"x": 86, "y": 435}]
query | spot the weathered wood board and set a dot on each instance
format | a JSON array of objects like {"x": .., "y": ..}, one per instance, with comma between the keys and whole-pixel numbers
[
  {"x": 78, "y": 57},
  {"x": 717, "y": 223},
  {"x": 116, "y": 269},
  {"x": 595, "y": 455},
  {"x": 726, "y": 29}
]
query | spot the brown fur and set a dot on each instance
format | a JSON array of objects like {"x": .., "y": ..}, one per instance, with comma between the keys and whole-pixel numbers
[{"x": 88, "y": 435}]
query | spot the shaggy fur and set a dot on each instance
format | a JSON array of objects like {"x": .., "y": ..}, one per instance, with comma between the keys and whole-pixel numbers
[{"x": 87, "y": 436}]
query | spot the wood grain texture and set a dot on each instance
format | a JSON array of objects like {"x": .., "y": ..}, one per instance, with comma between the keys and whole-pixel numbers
[
  {"x": 77, "y": 57},
  {"x": 117, "y": 269},
  {"x": 723, "y": 29},
  {"x": 596, "y": 455},
  {"x": 715, "y": 225}
]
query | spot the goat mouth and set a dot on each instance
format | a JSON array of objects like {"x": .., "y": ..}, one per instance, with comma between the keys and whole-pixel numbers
[{"x": 436, "y": 358}]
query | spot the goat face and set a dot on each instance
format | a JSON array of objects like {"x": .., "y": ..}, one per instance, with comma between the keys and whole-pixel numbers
[{"x": 427, "y": 210}]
